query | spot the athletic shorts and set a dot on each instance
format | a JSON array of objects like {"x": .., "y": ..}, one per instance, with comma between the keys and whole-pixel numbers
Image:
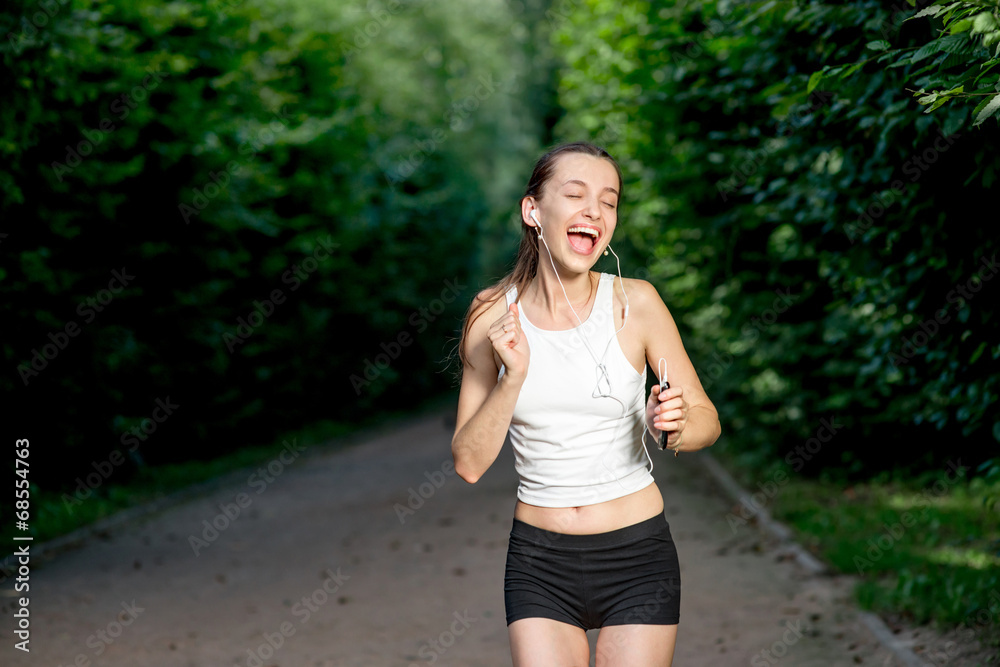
[{"x": 622, "y": 577}]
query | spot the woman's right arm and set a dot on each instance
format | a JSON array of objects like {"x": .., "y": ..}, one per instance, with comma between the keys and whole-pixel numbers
[{"x": 485, "y": 405}]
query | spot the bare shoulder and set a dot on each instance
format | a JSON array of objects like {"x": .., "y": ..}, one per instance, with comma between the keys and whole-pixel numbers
[
  {"x": 651, "y": 314},
  {"x": 483, "y": 314},
  {"x": 641, "y": 295},
  {"x": 485, "y": 309}
]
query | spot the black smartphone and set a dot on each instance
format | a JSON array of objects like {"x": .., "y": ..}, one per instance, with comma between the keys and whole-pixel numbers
[{"x": 663, "y": 434}]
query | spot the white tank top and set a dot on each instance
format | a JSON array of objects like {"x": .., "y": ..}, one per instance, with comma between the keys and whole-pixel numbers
[{"x": 573, "y": 447}]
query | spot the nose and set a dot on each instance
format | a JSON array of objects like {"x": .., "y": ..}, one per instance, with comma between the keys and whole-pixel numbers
[{"x": 593, "y": 209}]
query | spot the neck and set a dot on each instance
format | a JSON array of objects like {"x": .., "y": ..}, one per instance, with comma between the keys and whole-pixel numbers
[{"x": 546, "y": 291}]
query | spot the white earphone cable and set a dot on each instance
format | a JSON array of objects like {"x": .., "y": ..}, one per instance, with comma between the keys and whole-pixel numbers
[{"x": 602, "y": 370}]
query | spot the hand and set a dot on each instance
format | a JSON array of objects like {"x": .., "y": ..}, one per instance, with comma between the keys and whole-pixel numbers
[
  {"x": 667, "y": 411},
  {"x": 511, "y": 345}
]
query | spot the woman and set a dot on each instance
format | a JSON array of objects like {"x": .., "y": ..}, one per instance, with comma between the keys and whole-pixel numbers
[{"x": 555, "y": 365}]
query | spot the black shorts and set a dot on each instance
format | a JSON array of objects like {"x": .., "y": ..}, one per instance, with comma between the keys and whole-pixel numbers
[{"x": 623, "y": 577}]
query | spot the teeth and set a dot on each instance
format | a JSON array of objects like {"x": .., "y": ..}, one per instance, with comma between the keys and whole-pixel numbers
[{"x": 585, "y": 230}]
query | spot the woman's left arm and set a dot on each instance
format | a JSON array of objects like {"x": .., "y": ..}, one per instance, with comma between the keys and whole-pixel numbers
[{"x": 684, "y": 410}]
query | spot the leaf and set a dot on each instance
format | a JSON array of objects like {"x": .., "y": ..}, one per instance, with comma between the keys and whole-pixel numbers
[
  {"x": 960, "y": 26},
  {"x": 879, "y": 45},
  {"x": 957, "y": 44},
  {"x": 951, "y": 44},
  {"x": 947, "y": 8},
  {"x": 988, "y": 65},
  {"x": 983, "y": 22},
  {"x": 941, "y": 100},
  {"x": 814, "y": 81},
  {"x": 991, "y": 108},
  {"x": 930, "y": 11},
  {"x": 924, "y": 51},
  {"x": 851, "y": 70}
]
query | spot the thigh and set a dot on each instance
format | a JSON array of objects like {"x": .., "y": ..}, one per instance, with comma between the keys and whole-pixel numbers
[
  {"x": 629, "y": 645},
  {"x": 544, "y": 642}
]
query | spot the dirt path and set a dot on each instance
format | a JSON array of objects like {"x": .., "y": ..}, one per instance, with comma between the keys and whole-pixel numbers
[{"x": 322, "y": 564}]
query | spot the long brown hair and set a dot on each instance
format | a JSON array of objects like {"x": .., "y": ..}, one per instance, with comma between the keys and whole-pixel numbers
[{"x": 527, "y": 254}]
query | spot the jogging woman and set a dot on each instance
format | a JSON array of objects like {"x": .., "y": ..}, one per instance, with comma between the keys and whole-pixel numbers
[{"x": 555, "y": 355}]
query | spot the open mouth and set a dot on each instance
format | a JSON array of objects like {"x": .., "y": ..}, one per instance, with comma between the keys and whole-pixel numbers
[{"x": 583, "y": 239}]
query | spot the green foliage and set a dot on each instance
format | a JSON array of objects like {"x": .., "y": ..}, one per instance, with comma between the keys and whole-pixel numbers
[
  {"x": 965, "y": 50},
  {"x": 802, "y": 224},
  {"x": 289, "y": 191}
]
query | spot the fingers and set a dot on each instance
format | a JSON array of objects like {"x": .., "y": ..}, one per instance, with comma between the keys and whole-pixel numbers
[
  {"x": 671, "y": 412},
  {"x": 507, "y": 329},
  {"x": 501, "y": 338},
  {"x": 671, "y": 399},
  {"x": 672, "y": 392},
  {"x": 668, "y": 424}
]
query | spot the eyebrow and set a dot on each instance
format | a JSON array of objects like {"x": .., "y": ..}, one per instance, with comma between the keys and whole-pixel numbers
[{"x": 579, "y": 182}]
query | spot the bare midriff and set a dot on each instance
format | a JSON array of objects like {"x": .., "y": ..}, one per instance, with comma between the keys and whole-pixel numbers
[{"x": 597, "y": 518}]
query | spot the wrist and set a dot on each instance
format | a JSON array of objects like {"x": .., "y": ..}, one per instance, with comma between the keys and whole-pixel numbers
[{"x": 509, "y": 379}]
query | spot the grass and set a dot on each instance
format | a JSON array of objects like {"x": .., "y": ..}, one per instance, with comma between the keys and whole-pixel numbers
[
  {"x": 925, "y": 548},
  {"x": 51, "y": 516}
]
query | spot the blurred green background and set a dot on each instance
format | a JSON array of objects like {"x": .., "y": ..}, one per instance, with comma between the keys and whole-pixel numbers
[{"x": 225, "y": 222}]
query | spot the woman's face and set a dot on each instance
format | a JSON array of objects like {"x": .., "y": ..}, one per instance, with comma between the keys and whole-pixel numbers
[{"x": 582, "y": 194}]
